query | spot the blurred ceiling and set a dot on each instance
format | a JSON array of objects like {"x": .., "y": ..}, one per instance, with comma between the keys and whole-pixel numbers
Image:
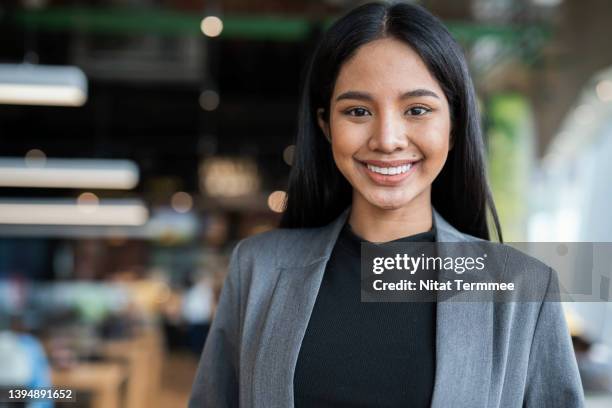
[{"x": 148, "y": 63}]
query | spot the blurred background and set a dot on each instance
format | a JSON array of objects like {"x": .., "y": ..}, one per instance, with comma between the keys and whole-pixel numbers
[{"x": 141, "y": 139}]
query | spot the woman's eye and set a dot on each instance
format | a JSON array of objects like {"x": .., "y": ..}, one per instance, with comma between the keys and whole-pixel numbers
[
  {"x": 418, "y": 111},
  {"x": 357, "y": 112}
]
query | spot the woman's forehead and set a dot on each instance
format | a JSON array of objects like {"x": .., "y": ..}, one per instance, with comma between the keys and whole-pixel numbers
[{"x": 384, "y": 66}]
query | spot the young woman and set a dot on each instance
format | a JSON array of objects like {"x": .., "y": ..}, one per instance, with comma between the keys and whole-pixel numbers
[{"x": 389, "y": 149}]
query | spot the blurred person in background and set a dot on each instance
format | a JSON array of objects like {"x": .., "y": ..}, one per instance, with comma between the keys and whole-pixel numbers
[
  {"x": 389, "y": 150},
  {"x": 23, "y": 363},
  {"x": 197, "y": 311}
]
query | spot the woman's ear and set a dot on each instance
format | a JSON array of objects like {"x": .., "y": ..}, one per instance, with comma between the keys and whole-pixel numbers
[{"x": 323, "y": 124}]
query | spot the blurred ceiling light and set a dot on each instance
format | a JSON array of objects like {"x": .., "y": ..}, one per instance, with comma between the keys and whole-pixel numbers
[
  {"x": 209, "y": 100},
  {"x": 34, "y": 4},
  {"x": 181, "y": 202},
  {"x": 88, "y": 202},
  {"x": 276, "y": 201},
  {"x": 68, "y": 173},
  {"x": 604, "y": 90},
  {"x": 35, "y": 158},
  {"x": 211, "y": 26},
  {"x": 229, "y": 177},
  {"x": 67, "y": 212},
  {"x": 288, "y": 154},
  {"x": 31, "y": 84},
  {"x": 547, "y": 3}
]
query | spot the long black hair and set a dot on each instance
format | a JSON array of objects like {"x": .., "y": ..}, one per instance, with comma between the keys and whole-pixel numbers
[{"x": 318, "y": 192}]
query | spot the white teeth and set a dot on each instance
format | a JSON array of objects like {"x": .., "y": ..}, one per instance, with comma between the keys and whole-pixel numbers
[{"x": 390, "y": 170}]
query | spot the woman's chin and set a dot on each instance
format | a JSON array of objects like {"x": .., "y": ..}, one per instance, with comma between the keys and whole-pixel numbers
[{"x": 389, "y": 203}]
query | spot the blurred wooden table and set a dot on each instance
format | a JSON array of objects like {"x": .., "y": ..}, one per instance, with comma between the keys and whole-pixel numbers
[
  {"x": 102, "y": 380},
  {"x": 142, "y": 356}
]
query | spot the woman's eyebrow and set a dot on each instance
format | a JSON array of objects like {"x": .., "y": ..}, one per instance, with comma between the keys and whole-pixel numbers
[
  {"x": 364, "y": 96},
  {"x": 419, "y": 92}
]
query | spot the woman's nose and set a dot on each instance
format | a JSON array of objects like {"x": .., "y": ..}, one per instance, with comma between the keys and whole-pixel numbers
[{"x": 389, "y": 134}]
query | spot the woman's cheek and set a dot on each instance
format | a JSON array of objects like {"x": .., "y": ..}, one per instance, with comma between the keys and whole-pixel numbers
[
  {"x": 341, "y": 149},
  {"x": 435, "y": 152},
  {"x": 435, "y": 141},
  {"x": 346, "y": 140}
]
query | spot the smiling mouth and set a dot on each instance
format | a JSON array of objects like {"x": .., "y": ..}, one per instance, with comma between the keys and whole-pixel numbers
[
  {"x": 389, "y": 170},
  {"x": 389, "y": 173}
]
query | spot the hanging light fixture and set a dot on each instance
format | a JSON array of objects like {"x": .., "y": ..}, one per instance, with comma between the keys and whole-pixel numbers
[
  {"x": 86, "y": 210},
  {"x": 33, "y": 84},
  {"x": 68, "y": 173}
]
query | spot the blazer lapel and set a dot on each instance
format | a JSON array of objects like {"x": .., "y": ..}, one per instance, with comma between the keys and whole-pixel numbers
[
  {"x": 292, "y": 302},
  {"x": 463, "y": 341}
]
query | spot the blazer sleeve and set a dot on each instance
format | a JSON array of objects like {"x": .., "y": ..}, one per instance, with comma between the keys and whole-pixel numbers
[
  {"x": 553, "y": 379},
  {"x": 216, "y": 380}
]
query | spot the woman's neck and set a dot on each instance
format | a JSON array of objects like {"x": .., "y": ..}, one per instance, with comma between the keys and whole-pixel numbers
[{"x": 375, "y": 224}]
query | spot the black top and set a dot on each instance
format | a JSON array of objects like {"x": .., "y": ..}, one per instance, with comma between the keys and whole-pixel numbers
[{"x": 358, "y": 354}]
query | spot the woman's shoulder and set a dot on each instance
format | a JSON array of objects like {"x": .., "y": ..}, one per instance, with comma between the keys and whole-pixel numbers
[
  {"x": 509, "y": 262},
  {"x": 282, "y": 243},
  {"x": 533, "y": 278},
  {"x": 263, "y": 241},
  {"x": 513, "y": 255}
]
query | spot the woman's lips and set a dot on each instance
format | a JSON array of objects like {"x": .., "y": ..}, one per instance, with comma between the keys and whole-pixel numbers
[{"x": 395, "y": 174}]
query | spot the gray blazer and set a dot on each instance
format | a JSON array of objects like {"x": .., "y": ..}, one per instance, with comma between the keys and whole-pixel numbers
[{"x": 488, "y": 354}]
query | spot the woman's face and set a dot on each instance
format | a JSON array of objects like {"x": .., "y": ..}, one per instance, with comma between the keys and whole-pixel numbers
[{"x": 389, "y": 125}]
